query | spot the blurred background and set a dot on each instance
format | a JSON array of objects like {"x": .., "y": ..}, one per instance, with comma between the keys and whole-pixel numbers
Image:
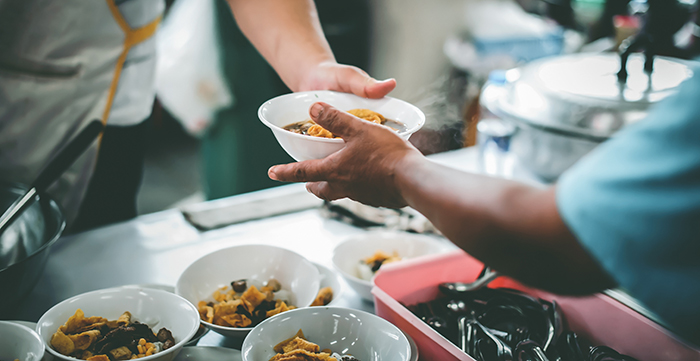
[{"x": 441, "y": 52}]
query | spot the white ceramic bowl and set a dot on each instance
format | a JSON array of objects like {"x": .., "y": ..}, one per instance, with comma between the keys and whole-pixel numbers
[
  {"x": 155, "y": 308},
  {"x": 330, "y": 278},
  {"x": 19, "y": 342},
  {"x": 347, "y": 255},
  {"x": 291, "y": 108},
  {"x": 258, "y": 262},
  {"x": 366, "y": 336}
]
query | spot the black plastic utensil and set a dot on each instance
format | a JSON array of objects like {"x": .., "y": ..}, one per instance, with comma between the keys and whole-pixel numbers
[
  {"x": 487, "y": 275},
  {"x": 65, "y": 157}
]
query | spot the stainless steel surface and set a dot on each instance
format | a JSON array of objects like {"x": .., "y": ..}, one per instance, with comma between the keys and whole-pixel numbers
[
  {"x": 154, "y": 249},
  {"x": 24, "y": 246},
  {"x": 565, "y": 106}
]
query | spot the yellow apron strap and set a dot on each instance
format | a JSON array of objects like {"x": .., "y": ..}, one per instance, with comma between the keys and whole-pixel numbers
[{"x": 131, "y": 38}]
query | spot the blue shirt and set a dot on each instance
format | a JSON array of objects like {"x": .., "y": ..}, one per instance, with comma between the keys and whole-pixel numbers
[{"x": 634, "y": 204}]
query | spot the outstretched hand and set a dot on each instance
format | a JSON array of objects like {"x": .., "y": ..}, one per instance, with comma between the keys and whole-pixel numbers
[
  {"x": 347, "y": 79},
  {"x": 365, "y": 170}
]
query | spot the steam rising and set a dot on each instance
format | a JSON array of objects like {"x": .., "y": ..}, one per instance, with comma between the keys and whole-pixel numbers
[{"x": 443, "y": 103}]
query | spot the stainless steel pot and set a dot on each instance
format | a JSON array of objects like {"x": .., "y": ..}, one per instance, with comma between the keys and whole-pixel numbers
[
  {"x": 565, "y": 106},
  {"x": 24, "y": 246}
]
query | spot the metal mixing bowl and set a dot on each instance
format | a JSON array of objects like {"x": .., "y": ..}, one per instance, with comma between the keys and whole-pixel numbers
[{"x": 24, "y": 246}]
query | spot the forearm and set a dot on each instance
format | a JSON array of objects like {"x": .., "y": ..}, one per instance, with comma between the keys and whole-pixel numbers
[
  {"x": 512, "y": 227},
  {"x": 287, "y": 33}
]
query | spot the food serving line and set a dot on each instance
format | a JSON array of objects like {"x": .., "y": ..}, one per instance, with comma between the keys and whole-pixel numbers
[{"x": 154, "y": 249}]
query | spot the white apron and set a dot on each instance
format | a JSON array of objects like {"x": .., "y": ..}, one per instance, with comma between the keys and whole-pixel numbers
[{"x": 62, "y": 64}]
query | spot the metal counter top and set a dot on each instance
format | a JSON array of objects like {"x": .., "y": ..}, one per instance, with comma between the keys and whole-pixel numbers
[{"x": 155, "y": 249}]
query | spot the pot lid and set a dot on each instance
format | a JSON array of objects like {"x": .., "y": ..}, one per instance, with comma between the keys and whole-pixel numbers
[{"x": 580, "y": 94}]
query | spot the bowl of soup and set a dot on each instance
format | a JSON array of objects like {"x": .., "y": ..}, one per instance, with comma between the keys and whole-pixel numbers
[{"x": 288, "y": 118}]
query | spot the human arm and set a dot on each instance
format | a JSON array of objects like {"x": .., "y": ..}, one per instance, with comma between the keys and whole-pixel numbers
[
  {"x": 288, "y": 34},
  {"x": 514, "y": 228}
]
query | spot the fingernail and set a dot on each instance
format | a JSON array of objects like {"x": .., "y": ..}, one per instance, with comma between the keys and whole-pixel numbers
[
  {"x": 271, "y": 173},
  {"x": 316, "y": 110}
]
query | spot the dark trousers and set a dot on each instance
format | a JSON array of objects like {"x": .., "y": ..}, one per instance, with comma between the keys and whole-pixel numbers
[{"x": 111, "y": 194}]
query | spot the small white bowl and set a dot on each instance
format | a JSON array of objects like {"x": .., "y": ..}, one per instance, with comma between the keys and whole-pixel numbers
[
  {"x": 346, "y": 331},
  {"x": 156, "y": 308},
  {"x": 291, "y": 108},
  {"x": 330, "y": 278},
  {"x": 258, "y": 262},
  {"x": 347, "y": 255},
  {"x": 19, "y": 342}
]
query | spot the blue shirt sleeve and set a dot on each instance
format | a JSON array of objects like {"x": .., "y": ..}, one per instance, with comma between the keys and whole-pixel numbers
[{"x": 634, "y": 204}]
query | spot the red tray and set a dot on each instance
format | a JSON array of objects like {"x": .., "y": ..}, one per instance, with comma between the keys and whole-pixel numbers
[{"x": 597, "y": 318}]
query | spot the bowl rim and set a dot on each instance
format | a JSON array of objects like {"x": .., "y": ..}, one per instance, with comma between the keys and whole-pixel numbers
[
  {"x": 52, "y": 206},
  {"x": 174, "y": 348},
  {"x": 27, "y": 331},
  {"x": 239, "y": 329},
  {"x": 325, "y": 308},
  {"x": 421, "y": 121}
]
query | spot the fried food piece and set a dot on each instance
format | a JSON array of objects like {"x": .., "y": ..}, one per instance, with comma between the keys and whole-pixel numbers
[
  {"x": 78, "y": 322},
  {"x": 62, "y": 343},
  {"x": 368, "y": 115},
  {"x": 319, "y": 131},
  {"x": 74, "y": 322},
  {"x": 324, "y": 297},
  {"x": 97, "y": 326},
  {"x": 236, "y": 320},
  {"x": 300, "y": 344},
  {"x": 297, "y": 348},
  {"x": 280, "y": 346},
  {"x": 83, "y": 340},
  {"x": 121, "y": 353},
  {"x": 98, "y": 358},
  {"x": 206, "y": 312},
  {"x": 124, "y": 319},
  {"x": 302, "y": 355},
  {"x": 226, "y": 308},
  {"x": 222, "y": 297},
  {"x": 254, "y": 297},
  {"x": 279, "y": 309}
]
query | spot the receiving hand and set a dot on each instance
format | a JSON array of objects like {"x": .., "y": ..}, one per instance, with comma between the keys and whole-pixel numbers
[
  {"x": 347, "y": 79},
  {"x": 364, "y": 170}
]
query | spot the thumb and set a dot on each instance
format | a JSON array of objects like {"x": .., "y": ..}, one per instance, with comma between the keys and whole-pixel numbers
[
  {"x": 338, "y": 122},
  {"x": 354, "y": 80},
  {"x": 379, "y": 88}
]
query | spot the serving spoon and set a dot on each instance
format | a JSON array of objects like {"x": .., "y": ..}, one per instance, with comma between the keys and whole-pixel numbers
[{"x": 65, "y": 157}]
